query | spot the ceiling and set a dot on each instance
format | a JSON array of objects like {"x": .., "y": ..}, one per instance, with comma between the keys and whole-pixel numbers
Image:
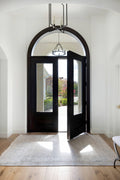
[
  {"x": 74, "y": 11},
  {"x": 12, "y": 5}
]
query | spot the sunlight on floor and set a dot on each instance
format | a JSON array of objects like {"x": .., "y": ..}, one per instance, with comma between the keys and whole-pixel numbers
[
  {"x": 64, "y": 145},
  {"x": 46, "y": 145},
  {"x": 87, "y": 149}
]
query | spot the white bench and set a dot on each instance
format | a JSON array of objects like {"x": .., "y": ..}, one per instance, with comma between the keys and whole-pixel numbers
[{"x": 116, "y": 142}]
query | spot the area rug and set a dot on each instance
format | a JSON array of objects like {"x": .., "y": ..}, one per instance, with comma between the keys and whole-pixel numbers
[{"x": 55, "y": 150}]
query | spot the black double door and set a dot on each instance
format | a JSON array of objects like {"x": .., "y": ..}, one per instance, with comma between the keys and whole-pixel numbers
[{"x": 43, "y": 94}]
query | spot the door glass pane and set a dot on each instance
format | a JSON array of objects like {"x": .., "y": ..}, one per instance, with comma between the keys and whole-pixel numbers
[
  {"x": 77, "y": 91},
  {"x": 44, "y": 87}
]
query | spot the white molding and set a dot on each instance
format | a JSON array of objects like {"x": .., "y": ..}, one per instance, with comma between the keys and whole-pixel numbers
[
  {"x": 9, "y": 133},
  {"x": 6, "y": 135},
  {"x": 109, "y": 135},
  {"x": 98, "y": 131},
  {"x": 3, "y": 135},
  {"x": 19, "y": 131}
]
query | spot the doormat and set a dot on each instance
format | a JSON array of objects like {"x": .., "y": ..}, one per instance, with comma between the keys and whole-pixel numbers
[{"x": 55, "y": 150}]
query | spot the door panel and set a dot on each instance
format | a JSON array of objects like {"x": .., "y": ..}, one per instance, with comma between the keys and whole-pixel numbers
[
  {"x": 43, "y": 99},
  {"x": 76, "y": 94}
]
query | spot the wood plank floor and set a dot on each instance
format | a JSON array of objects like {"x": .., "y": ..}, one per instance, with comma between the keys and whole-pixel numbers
[{"x": 57, "y": 173}]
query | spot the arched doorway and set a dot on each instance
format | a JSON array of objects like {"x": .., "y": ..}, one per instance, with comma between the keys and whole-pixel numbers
[{"x": 36, "y": 62}]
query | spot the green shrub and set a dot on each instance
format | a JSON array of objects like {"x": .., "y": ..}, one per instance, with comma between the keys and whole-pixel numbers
[
  {"x": 64, "y": 101},
  {"x": 75, "y": 103},
  {"x": 59, "y": 102},
  {"x": 48, "y": 104}
]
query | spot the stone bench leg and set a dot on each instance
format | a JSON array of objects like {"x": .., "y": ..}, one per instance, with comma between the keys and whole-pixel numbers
[{"x": 118, "y": 155}]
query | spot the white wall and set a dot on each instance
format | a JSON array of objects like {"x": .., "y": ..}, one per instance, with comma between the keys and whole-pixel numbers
[
  {"x": 18, "y": 71},
  {"x": 98, "y": 51},
  {"x": 113, "y": 75},
  {"x": 13, "y": 42},
  {"x": 3, "y": 94},
  {"x": 5, "y": 79},
  {"x": 105, "y": 74},
  {"x": 101, "y": 32}
]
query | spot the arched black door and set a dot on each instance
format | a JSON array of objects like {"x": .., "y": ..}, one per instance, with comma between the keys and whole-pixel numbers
[{"x": 36, "y": 119}]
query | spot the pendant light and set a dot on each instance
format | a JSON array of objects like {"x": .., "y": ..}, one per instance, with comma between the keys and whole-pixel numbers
[{"x": 58, "y": 50}]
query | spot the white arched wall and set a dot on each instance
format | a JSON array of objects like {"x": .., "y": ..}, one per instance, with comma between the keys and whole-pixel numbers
[{"x": 101, "y": 33}]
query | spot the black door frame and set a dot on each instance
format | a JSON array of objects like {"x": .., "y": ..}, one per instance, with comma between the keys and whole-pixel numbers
[{"x": 87, "y": 69}]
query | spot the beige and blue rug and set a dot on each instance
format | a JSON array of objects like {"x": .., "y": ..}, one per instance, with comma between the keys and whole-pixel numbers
[{"x": 55, "y": 150}]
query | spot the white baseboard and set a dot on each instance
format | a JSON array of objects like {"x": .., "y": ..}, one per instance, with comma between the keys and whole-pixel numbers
[
  {"x": 9, "y": 133},
  {"x": 99, "y": 131},
  {"x": 19, "y": 131},
  {"x": 3, "y": 135},
  {"x": 6, "y": 135},
  {"x": 109, "y": 135}
]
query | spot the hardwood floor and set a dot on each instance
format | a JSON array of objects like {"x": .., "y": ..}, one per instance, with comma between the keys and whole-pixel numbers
[
  {"x": 57, "y": 173},
  {"x": 4, "y": 143}
]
